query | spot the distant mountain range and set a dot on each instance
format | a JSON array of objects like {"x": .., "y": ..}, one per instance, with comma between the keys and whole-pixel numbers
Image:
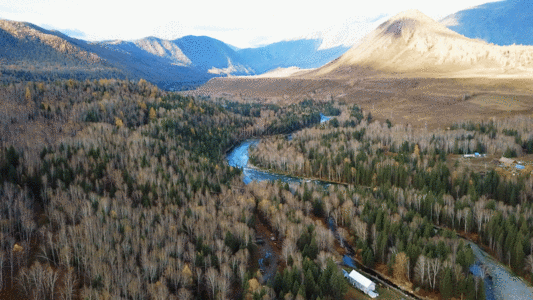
[
  {"x": 29, "y": 52},
  {"x": 413, "y": 44},
  {"x": 502, "y": 23}
]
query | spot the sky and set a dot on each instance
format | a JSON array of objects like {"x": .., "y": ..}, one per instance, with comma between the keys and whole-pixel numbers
[{"x": 241, "y": 23}]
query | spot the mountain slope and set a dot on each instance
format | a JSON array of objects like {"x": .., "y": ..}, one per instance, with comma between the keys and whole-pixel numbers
[
  {"x": 32, "y": 53},
  {"x": 197, "y": 58},
  {"x": 28, "y": 52},
  {"x": 502, "y": 23},
  {"x": 212, "y": 55},
  {"x": 412, "y": 43},
  {"x": 303, "y": 53}
]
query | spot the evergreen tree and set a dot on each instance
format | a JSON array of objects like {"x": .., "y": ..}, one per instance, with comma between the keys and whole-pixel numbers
[{"x": 446, "y": 287}]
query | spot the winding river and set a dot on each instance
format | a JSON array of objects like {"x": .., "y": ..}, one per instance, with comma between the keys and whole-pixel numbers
[{"x": 502, "y": 285}]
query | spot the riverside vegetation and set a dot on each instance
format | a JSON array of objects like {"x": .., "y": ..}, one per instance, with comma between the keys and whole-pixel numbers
[
  {"x": 116, "y": 190},
  {"x": 125, "y": 195},
  {"x": 401, "y": 203}
]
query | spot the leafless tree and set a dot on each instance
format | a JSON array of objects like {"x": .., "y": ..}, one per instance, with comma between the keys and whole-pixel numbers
[
  {"x": 211, "y": 276},
  {"x": 420, "y": 270}
]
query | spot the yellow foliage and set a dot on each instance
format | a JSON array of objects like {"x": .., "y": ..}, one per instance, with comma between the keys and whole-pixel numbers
[
  {"x": 192, "y": 130},
  {"x": 28, "y": 93},
  {"x": 142, "y": 105},
  {"x": 253, "y": 285},
  {"x": 118, "y": 122},
  {"x": 17, "y": 248},
  {"x": 142, "y": 82},
  {"x": 400, "y": 267},
  {"x": 153, "y": 94},
  {"x": 153, "y": 115},
  {"x": 187, "y": 271}
]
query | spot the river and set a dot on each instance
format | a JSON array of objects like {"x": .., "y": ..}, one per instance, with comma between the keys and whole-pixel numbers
[
  {"x": 505, "y": 286},
  {"x": 239, "y": 156},
  {"x": 502, "y": 286}
]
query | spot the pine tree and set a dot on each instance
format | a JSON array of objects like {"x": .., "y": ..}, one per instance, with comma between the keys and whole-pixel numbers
[{"x": 446, "y": 287}]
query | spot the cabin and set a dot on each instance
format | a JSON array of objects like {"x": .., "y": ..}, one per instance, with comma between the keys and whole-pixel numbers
[
  {"x": 507, "y": 161},
  {"x": 361, "y": 282}
]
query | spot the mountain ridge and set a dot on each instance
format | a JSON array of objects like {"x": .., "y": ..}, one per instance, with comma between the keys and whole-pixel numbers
[
  {"x": 171, "y": 64},
  {"x": 413, "y": 44},
  {"x": 503, "y": 23}
]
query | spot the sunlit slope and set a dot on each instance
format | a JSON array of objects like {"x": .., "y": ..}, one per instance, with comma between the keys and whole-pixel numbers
[{"x": 411, "y": 43}]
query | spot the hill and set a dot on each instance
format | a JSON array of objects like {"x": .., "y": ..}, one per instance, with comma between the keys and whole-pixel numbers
[
  {"x": 29, "y": 52},
  {"x": 502, "y": 23},
  {"x": 301, "y": 53},
  {"x": 413, "y": 44}
]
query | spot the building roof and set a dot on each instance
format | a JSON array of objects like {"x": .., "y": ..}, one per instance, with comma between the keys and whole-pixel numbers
[
  {"x": 365, "y": 282},
  {"x": 506, "y": 160}
]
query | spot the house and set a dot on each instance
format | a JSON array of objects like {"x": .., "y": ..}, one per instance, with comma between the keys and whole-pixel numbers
[
  {"x": 361, "y": 282},
  {"x": 507, "y": 161}
]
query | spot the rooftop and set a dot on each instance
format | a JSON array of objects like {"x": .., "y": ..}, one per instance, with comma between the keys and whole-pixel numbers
[{"x": 361, "y": 279}]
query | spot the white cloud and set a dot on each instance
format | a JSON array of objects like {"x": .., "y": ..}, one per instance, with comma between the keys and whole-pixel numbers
[{"x": 249, "y": 23}]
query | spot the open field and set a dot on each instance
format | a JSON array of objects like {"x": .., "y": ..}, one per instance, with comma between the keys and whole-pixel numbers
[{"x": 421, "y": 102}]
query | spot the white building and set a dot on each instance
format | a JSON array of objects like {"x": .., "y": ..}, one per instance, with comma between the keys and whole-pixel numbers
[{"x": 362, "y": 283}]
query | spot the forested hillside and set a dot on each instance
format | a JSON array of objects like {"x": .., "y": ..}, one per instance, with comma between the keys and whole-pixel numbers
[
  {"x": 134, "y": 200},
  {"x": 402, "y": 195}
]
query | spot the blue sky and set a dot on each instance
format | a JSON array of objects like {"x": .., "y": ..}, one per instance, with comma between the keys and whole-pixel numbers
[{"x": 237, "y": 22}]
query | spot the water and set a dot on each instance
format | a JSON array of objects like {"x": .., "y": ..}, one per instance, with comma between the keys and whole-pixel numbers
[
  {"x": 503, "y": 285},
  {"x": 238, "y": 158},
  {"x": 324, "y": 118}
]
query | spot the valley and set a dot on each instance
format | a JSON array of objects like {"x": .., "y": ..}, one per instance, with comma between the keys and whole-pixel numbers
[{"x": 188, "y": 168}]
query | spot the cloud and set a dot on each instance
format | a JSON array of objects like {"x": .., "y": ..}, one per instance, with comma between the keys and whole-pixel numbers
[{"x": 215, "y": 28}]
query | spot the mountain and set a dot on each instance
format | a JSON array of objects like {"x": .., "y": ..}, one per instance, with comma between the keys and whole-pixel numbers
[
  {"x": 302, "y": 53},
  {"x": 414, "y": 44},
  {"x": 502, "y": 23},
  {"x": 29, "y": 52}
]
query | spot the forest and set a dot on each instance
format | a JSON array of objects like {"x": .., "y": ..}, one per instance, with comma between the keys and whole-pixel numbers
[
  {"x": 114, "y": 189},
  {"x": 124, "y": 194},
  {"x": 404, "y": 205}
]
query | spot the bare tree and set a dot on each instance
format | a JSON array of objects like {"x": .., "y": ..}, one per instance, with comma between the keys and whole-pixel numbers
[
  {"x": 212, "y": 277},
  {"x": 435, "y": 264},
  {"x": 288, "y": 249},
  {"x": 69, "y": 283},
  {"x": 420, "y": 270}
]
